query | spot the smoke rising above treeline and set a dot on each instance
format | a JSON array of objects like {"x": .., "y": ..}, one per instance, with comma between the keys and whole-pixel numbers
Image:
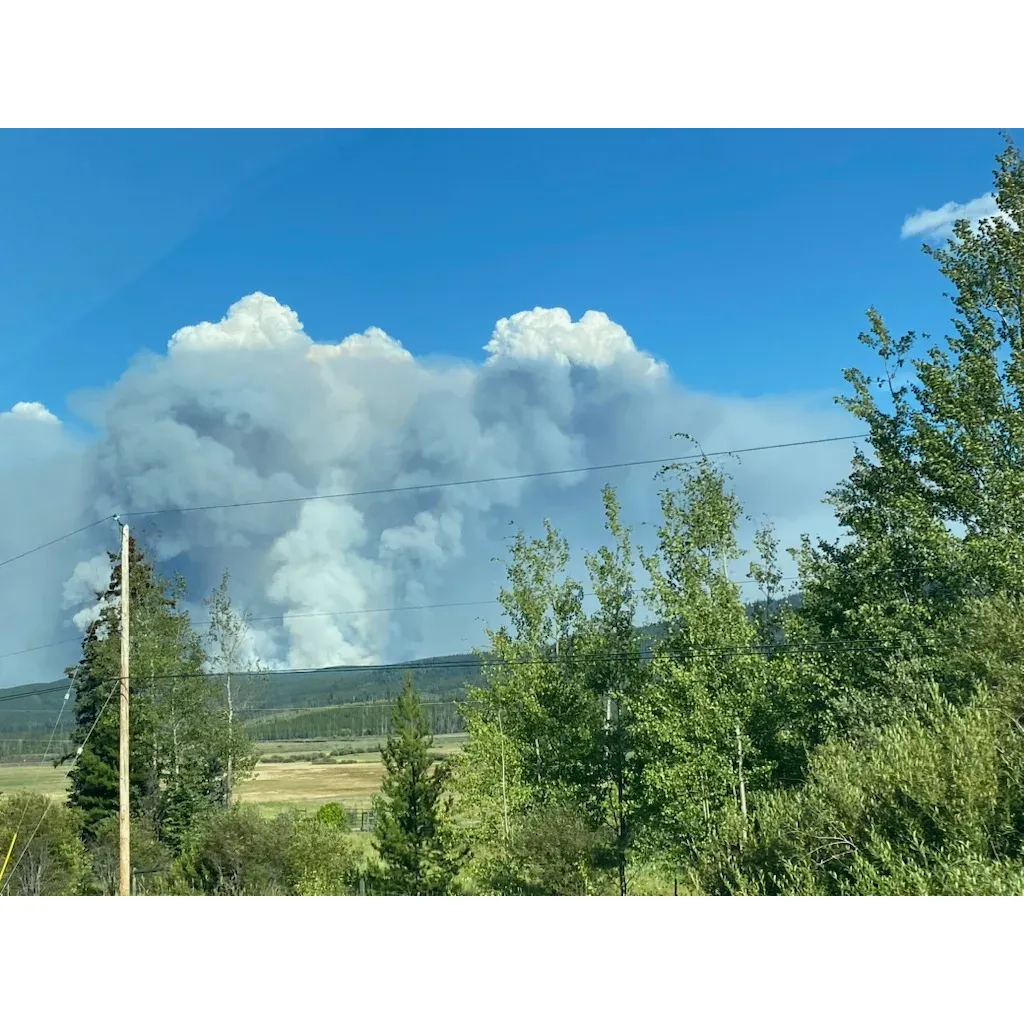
[{"x": 251, "y": 409}]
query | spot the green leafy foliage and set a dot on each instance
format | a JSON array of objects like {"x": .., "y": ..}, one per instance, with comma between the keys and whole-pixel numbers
[
  {"x": 237, "y": 852},
  {"x": 151, "y": 859},
  {"x": 48, "y": 857},
  {"x": 933, "y": 516},
  {"x": 920, "y": 808},
  {"x": 333, "y": 815},
  {"x": 709, "y": 681},
  {"x": 539, "y": 739},
  {"x": 240, "y": 676}
]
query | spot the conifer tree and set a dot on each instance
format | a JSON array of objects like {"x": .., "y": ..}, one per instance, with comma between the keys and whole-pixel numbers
[
  {"x": 178, "y": 743},
  {"x": 411, "y": 830},
  {"x": 94, "y": 779}
]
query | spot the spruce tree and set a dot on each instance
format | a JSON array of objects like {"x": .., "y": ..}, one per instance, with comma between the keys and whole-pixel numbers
[
  {"x": 94, "y": 778},
  {"x": 411, "y": 831},
  {"x": 178, "y": 743}
]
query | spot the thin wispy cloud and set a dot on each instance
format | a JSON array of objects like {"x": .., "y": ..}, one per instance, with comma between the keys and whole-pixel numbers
[{"x": 939, "y": 223}]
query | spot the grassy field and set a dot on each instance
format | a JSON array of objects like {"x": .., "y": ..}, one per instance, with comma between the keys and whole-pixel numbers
[
  {"x": 47, "y": 780},
  {"x": 273, "y": 787},
  {"x": 311, "y": 748},
  {"x": 310, "y": 785}
]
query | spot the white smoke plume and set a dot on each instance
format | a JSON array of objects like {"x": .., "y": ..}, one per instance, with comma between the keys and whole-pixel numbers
[{"x": 251, "y": 409}]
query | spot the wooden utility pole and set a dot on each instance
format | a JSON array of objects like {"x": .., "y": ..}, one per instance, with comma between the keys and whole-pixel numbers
[{"x": 123, "y": 767}]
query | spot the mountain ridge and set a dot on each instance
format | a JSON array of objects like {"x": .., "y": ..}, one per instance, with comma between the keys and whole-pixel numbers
[{"x": 29, "y": 709}]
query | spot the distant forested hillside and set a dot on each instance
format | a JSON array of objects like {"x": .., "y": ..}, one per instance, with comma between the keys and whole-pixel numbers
[{"x": 28, "y": 713}]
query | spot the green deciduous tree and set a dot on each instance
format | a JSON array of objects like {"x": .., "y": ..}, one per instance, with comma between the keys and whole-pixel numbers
[
  {"x": 322, "y": 862},
  {"x": 239, "y": 673},
  {"x": 542, "y": 740},
  {"x": 928, "y": 805},
  {"x": 695, "y": 720},
  {"x": 618, "y": 680},
  {"x": 48, "y": 857},
  {"x": 932, "y": 515}
]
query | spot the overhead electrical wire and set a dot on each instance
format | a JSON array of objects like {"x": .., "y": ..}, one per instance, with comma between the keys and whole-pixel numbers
[
  {"x": 49, "y": 742},
  {"x": 508, "y": 478},
  {"x": 488, "y": 661},
  {"x": 393, "y": 490},
  {"x": 339, "y": 614},
  {"x": 67, "y": 775},
  {"x": 407, "y": 488},
  {"x": 56, "y": 540},
  {"x": 32, "y": 693}
]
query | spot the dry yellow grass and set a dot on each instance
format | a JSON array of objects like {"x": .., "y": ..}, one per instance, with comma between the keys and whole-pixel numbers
[
  {"x": 352, "y": 785},
  {"x": 276, "y": 785}
]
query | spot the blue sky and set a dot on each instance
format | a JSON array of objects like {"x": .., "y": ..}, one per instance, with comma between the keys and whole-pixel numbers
[{"x": 744, "y": 259}]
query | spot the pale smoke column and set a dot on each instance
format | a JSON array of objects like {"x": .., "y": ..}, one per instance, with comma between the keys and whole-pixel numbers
[{"x": 251, "y": 408}]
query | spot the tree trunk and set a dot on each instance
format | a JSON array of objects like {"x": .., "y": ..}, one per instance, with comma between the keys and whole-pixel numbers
[
  {"x": 231, "y": 719},
  {"x": 504, "y": 790},
  {"x": 620, "y": 814},
  {"x": 743, "y": 787},
  {"x": 623, "y": 889},
  {"x": 175, "y": 758},
  {"x": 704, "y": 800}
]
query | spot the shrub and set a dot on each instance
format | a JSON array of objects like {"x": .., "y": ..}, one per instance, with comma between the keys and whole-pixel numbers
[
  {"x": 320, "y": 860},
  {"x": 49, "y": 857},
  {"x": 237, "y": 852},
  {"x": 332, "y": 814},
  {"x": 150, "y": 858},
  {"x": 931, "y": 807}
]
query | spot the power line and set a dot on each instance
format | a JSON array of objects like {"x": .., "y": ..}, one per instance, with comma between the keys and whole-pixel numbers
[
  {"x": 43, "y": 647},
  {"x": 509, "y": 478},
  {"x": 287, "y": 616},
  {"x": 407, "y": 488},
  {"x": 292, "y": 615},
  {"x": 489, "y": 661},
  {"x": 870, "y": 644},
  {"x": 49, "y": 742},
  {"x": 67, "y": 775},
  {"x": 33, "y": 693},
  {"x": 391, "y": 490},
  {"x": 56, "y": 540}
]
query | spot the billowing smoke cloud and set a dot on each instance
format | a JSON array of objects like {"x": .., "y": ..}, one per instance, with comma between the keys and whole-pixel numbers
[{"x": 251, "y": 409}]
